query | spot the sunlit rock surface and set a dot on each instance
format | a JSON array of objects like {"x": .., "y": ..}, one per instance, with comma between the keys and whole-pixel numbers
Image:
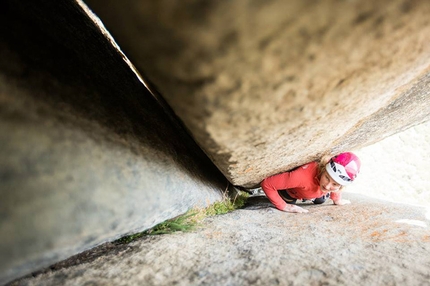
[
  {"x": 264, "y": 86},
  {"x": 367, "y": 243},
  {"x": 397, "y": 168}
]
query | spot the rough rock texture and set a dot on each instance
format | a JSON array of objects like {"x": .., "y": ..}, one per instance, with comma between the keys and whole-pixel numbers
[
  {"x": 265, "y": 86},
  {"x": 87, "y": 153},
  {"x": 367, "y": 243}
]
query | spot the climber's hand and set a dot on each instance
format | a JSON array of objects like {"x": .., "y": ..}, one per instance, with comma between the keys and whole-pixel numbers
[
  {"x": 294, "y": 209},
  {"x": 342, "y": 202}
]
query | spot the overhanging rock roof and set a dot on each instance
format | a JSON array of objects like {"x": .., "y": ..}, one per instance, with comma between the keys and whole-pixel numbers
[{"x": 264, "y": 86}]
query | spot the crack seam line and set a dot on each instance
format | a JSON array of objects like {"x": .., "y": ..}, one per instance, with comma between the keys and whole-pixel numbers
[{"x": 97, "y": 21}]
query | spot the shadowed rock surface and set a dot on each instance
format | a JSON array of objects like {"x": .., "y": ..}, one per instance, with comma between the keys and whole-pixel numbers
[
  {"x": 87, "y": 153},
  {"x": 367, "y": 243},
  {"x": 265, "y": 86}
]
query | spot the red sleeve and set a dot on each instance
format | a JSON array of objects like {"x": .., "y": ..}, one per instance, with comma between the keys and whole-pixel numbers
[
  {"x": 287, "y": 180},
  {"x": 271, "y": 185}
]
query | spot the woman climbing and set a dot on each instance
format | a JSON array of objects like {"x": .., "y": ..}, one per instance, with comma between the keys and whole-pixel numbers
[{"x": 315, "y": 181}]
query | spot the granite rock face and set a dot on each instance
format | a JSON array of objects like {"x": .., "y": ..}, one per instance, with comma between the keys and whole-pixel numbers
[
  {"x": 90, "y": 151},
  {"x": 87, "y": 153},
  {"x": 370, "y": 242},
  {"x": 264, "y": 86}
]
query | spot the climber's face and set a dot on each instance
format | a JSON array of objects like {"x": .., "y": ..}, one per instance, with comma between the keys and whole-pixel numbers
[{"x": 327, "y": 184}]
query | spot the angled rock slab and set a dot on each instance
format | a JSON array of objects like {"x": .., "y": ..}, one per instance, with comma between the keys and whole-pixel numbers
[
  {"x": 87, "y": 154},
  {"x": 264, "y": 86},
  {"x": 369, "y": 242}
]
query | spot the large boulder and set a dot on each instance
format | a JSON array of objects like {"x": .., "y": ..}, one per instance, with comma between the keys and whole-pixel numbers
[
  {"x": 87, "y": 153},
  {"x": 264, "y": 86}
]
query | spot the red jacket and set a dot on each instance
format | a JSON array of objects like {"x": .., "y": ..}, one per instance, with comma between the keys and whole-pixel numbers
[{"x": 301, "y": 183}]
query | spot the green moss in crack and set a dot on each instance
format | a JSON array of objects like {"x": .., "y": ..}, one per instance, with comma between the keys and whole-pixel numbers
[{"x": 191, "y": 219}]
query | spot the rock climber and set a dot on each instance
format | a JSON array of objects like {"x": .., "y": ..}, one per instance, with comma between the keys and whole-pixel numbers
[{"x": 315, "y": 181}]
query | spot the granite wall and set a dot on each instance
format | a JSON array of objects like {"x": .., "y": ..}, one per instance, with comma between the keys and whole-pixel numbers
[
  {"x": 265, "y": 86},
  {"x": 90, "y": 151},
  {"x": 87, "y": 153}
]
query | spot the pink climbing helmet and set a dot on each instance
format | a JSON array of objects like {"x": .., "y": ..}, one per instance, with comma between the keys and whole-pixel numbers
[{"x": 344, "y": 168}]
